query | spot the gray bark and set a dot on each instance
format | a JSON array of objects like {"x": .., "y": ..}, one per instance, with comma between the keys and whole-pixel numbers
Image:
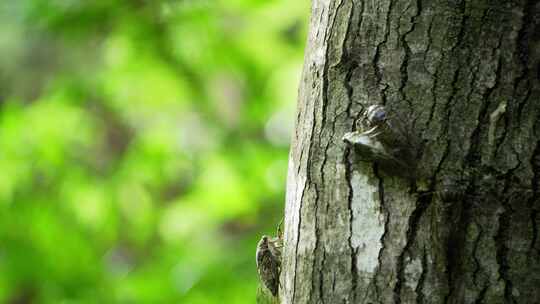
[{"x": 464, "y": 78}]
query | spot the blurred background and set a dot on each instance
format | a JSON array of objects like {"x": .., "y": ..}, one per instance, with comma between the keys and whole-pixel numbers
[{"x": 143, "y": 146}]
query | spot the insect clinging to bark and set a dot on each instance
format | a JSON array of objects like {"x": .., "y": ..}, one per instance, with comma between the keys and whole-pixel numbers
[
  {"x": 269, "y": 262},
  {"x": 268, "y": 258},
  {"x": 382, "y": 139}
]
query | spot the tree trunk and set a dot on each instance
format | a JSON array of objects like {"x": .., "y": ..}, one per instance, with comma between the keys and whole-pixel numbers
[{"x": 463, "y": 76}]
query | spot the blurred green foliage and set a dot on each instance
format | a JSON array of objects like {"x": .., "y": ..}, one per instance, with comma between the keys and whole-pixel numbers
[{"x": 143, "y": 146}]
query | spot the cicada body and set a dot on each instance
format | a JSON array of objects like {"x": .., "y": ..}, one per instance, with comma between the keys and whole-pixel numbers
[
  {"x": 268, "y": 258},
  {"x": 378, "y": 138}
]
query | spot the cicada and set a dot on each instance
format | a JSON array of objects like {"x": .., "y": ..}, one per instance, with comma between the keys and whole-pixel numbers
[
  {"x": 380, "y": 139},
  {"x": 268, "y": 259}
]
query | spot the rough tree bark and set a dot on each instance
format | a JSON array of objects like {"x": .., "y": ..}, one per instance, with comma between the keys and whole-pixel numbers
[{"x": 464, "y": 77}]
